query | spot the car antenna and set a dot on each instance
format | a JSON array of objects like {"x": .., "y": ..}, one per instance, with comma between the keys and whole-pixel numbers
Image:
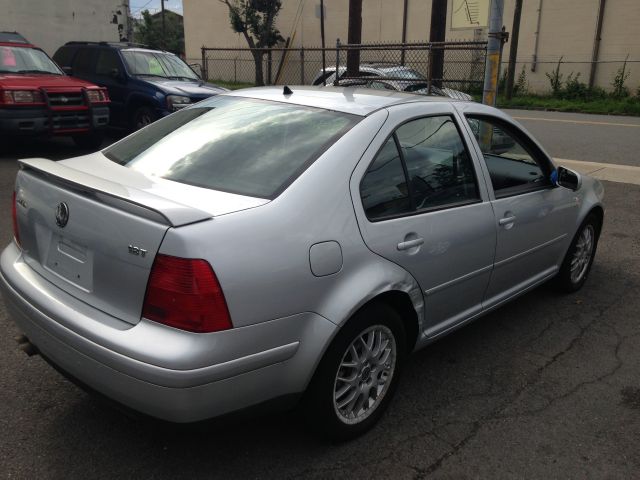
[{"x": 287, "y": 90}]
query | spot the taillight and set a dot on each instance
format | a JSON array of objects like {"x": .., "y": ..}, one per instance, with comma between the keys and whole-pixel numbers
[
  {"x": 14, "y": 218},
  {"x": 185, "y": 293}
]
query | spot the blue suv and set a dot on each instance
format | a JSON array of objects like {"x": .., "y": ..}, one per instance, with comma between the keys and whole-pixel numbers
[{"x": 143, "y": 84}]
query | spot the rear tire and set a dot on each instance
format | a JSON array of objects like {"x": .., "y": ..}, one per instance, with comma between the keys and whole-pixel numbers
[
  {"x": 579, "y": 258},
  {"x": 358, "y": 375},
  {"x": 89, "y": 141}
]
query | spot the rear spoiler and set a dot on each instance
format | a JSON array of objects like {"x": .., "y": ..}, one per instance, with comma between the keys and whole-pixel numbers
[{"x": 123, "y": 197}]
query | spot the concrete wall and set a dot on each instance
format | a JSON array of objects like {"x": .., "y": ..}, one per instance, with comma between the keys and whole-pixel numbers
[
  {"x": 567, "y": 29},
  {"x": 50, "y": 23}
]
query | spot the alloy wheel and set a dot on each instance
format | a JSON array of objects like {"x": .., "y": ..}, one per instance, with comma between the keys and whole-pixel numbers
[
  {"x": 582, "y": 255},
  {"x": 364, "y": 374}
]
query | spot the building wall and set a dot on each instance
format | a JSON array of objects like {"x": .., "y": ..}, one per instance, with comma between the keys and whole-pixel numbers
[
  {"x": 51, "y": 23},
  {"x": 567, "y": 30}
]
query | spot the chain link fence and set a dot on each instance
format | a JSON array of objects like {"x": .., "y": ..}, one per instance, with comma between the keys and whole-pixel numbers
[{"x": 408, "y": 66}]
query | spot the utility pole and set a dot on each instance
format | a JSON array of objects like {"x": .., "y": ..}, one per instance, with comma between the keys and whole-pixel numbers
[
  {"x": 492, "y": 65},
  {"x": 404, "y": 29},
  {"x": 164, "y": 42},
  {"x": 596, "y": 44},
  {"x": 437, "y": 34},
  {"x": 354, "y": 37},
  {"x": 324, "y": 58},
  {"x": 513, "y": 49}
]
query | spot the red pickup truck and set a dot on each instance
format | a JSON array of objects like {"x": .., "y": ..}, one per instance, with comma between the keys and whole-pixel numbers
[{"x": 37, "y": 98}]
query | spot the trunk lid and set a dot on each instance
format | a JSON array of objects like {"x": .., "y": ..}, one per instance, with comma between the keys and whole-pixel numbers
[{"x": 95, "y": 235}]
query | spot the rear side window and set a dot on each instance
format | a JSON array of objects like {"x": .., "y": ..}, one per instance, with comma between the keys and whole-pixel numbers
[
  {"x": 64, "y": 55},
  {"x": 384, "y": 190},
  {"x": 233, "y": 144},
  {"x": 84, "y": 61},
  {"x": 423, "y": 166}
]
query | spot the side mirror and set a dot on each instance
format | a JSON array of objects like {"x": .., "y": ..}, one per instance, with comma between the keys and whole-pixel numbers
[
  {"x": 68, "y": 70},
  {"x": 115, "y": 73},
  {"x": 567, "y": 178}
]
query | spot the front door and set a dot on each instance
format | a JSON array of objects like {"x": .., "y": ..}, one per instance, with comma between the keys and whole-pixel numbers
[
  {"x": 531, "y": 213},
  {"x": 420, "y": 205}
]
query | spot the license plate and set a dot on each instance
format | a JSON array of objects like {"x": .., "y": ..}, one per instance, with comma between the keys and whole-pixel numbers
[{"x": 71, "y": 261}]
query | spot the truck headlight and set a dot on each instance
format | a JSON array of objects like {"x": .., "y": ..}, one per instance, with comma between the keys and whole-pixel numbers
[{"x": 175, "y": 102}]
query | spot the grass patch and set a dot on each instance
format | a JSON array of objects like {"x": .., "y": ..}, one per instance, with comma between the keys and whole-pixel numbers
[
  {"x": 231, "y": 85},
  {"x": 608, "y": 106}
]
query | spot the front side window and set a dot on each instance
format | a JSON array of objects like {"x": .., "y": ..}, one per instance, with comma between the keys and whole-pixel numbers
[
  {"x": 233, "y": 144},
  {"x": 157, "y": 64},
  {"x": 423, "y": 166},
  {"x": 107, "y": 63},
  {"x": 515, "y": 166}
]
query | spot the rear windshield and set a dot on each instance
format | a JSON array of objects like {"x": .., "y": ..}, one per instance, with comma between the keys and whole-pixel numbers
[{"x": 239, "y": 145}]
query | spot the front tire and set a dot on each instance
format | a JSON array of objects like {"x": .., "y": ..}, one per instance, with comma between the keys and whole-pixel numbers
[
  {"x": 579, "y": 258},
  {"x": 358, "y": 374},
  {"x": 142, "y": 116}
]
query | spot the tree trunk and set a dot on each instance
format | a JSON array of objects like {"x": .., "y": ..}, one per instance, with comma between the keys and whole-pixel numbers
[{"x": 257, "y": 58}]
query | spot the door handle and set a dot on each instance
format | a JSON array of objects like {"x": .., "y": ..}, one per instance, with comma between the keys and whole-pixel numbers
[
  {"x": 410, "y": 244},
  {"x": 507, "y": 220}
]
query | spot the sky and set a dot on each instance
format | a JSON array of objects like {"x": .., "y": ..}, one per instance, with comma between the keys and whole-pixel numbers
[{"x": 137, "y": 6}]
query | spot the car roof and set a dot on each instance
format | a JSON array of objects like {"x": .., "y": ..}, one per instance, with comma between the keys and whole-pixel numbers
[
  {"x": 14, "y": 39},
  {"x": 357, "y": 101}
]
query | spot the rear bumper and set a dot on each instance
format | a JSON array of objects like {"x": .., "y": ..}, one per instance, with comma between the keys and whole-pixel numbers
[
  {"x": 240, "y": 368},
  {"x": 42, "y": 121}
]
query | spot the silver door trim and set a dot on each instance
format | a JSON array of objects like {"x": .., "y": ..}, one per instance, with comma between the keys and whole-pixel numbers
[
  {"x": 530, "y": 251},
  {"x": 464, "y": 277}
]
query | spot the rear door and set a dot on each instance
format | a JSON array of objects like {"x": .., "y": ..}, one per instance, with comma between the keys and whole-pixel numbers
[
  {"x": 419, "y": 204},
  {"x": 532, "y": 214}
]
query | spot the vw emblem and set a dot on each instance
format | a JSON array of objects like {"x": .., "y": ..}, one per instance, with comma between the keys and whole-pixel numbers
[{"x": 62, "y": 214}]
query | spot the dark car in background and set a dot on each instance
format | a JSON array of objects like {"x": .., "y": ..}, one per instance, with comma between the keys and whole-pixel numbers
[
  {"x": 38, "y": 99},
  {"x": 143, "y": 84}
]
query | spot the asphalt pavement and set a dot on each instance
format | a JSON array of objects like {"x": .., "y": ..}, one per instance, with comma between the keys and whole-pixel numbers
[
  {"x": 578, "y": 136},
  {"x": 546, "y": 387}
]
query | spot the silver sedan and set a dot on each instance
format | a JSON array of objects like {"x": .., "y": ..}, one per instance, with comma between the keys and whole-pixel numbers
[{"x": 286, "y": 247}]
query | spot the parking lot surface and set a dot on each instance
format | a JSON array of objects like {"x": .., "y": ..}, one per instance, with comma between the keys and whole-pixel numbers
[{"x": 546, "y": 387}]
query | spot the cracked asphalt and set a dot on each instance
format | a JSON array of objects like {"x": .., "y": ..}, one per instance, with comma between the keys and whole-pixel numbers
[{"x": 546, "y": 387}]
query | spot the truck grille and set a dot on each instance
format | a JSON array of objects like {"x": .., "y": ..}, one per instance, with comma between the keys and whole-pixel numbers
[
  {"x": 65, "y": 99},
  {"x": 69, "y": 120}
]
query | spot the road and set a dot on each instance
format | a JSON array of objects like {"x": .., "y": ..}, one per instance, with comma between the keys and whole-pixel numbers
[
  {"x": 546, "y": 387},
  {"x": 577, "y": 136}
]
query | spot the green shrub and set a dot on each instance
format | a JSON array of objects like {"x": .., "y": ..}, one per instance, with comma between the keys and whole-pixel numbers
[
  {"x": 575, "y": 89},
  {"x": 555, "y": 80},
  {"x": 522, "y": 86},
  {"x": 618, "y": 84}
]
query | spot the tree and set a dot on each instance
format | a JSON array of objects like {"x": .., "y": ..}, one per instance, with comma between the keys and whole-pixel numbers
[
  {"x": 255, "y": 20},
  {"x": 149, "y": 32}
]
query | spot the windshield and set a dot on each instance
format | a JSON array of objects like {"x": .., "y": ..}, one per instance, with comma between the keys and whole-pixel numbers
[
  {"x": 157, "y": 64},
  {"x": 233, "y": 144},
  {"x": 26, "y": 60}
]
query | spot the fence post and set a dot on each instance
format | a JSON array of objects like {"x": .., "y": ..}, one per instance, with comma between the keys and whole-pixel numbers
[
  {"x": 429, "y": 70},
  {"x": 335, "y": 81},
  {"x": 269, "y": 67},
  {"x": 204, "y": 71},
  {"x": 302, "y": 82},
  {"x": 235, "y": 69}
]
